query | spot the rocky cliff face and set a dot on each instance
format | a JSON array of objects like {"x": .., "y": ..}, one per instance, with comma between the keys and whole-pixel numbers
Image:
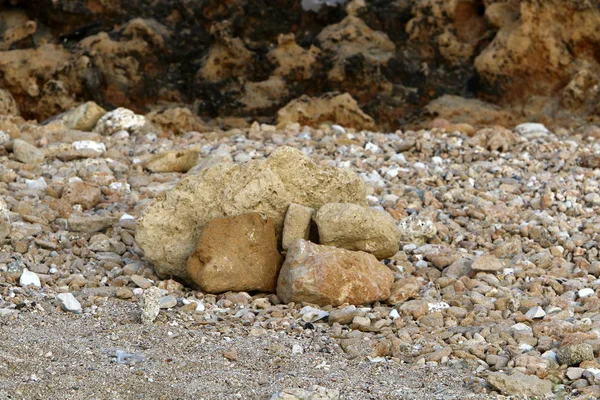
[{"x": 531, "y": 59}]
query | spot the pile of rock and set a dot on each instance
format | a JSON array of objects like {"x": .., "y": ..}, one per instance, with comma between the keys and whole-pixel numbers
[{"x": 223, "y": 230}]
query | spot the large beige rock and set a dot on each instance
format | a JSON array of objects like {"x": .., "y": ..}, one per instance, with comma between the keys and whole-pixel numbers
[
  {"x": 169, "y": 228},
  {"x": 326, "y": 275},
  {"x": 353, "y": 227},
  {"x": 236, "y": 254}
]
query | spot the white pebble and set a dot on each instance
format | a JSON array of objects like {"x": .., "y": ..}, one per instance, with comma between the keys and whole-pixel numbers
[
  {"x": 36, "y": 184},
  {"x": 585, "y": 292},
  {"x": 29, "y": 278},
  {"x": 68, "y": 302}
]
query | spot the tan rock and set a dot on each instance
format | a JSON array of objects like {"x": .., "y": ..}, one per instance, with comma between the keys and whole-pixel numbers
[
  {"x": 27, "y": 153},
  {"x": 178, "y": 120},
  {"x": 173, "y": 161},
  {"x": 439, "y": 255},
  {"x": 325, "y": 275},
  {"x": 296, "y": 224},
  {"x": 169, "y": 228},
  {"x": 416, "y": 308},
  {"x": 79, "y": 192},
  {"x": 236, "y": 254},
  {"x": 405, "y": 289},
  {"x": 352, "y": 227},
  {"x": 335, "y": 108},
  {"x": 84, "y": 117},
  {"x": 487, "y": 263}
]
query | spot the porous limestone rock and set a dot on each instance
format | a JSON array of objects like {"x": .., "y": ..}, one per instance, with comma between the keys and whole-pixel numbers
[
  {"x": 169, "y": 228},
  {"x": 296, "y": 224},
  {"x": 236, "y": 254},
  {"x": 120, "y": 119},
  {"x": 150, "y": 305},
  {"x": 352, "y": 227},
  {"x": 325, "y": 275}
]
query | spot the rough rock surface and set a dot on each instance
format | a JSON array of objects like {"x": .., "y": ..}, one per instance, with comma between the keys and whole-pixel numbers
[
  {"x": 334, "y": 108},
  {"x": 236, "y": 254},
  {"x": 171, "y": 225},
  {"x": 352, "y": 227},
  {"x": 327, "y": 275}
]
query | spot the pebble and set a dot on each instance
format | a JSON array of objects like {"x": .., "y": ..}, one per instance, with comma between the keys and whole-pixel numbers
[
  {"x": 167, "y": 302},
  {"x": 150, "y": 305},
  {"x": 29, "y": 278},
  {"x": 68, "y": 302}
]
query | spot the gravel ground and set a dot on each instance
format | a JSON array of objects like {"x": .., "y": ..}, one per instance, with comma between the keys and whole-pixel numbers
[
  {"x": 54, "y": 355},
  {"x": 496, "y": 281}
]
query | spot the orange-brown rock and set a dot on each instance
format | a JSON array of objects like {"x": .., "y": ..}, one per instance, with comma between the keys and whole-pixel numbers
[
  {"x": 236, "y": 254},
  {"x": 82, "y": 193},
  {"x": 326, "y": 275}
]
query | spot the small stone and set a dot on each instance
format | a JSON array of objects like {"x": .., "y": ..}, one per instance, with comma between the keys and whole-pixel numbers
[
  {"x": 487, "y": 263},
  {"x": 575, "y": 354},
  {"x": 78, "y": 192},
  {"x": 231, "y": 354},
  {"x": 585, "y": 292},
  {"x": 123, "y": 293},
  {"x": 574, "y": 373},
  {"x": 140, "y": 281},
  {"x": 459, "y": 268},
  {"x": 84, "y": 117},
  {"x": 314, "y": 393},
  {"x": 535, "y": 313},
  {"x": 296, "y": 224},
  {"x": 150, "y": 305},
  {"x": 29, "y": 278},
  {"x": 342, "y": 316},
  {"x": 167, "y": 302},
  {"x": 353, "y": 227},
  {"x": 68, "y": 302},
  {"x": 27, "y": 153},
  {"x": 416, "y": 230},
  {"x": 532, "y": 130},
  {"x": 416, "y": 308},
  {"x": 405, "y": 289},
  {"x": 325, "y": 275},
  {"x": 312, "y": 314},
  {"x": 36, "y": 184},
  {"x": 520, "y": 384},
  {"x": 297, "y": 349},
  {"x": 173, "y": 161},
  {"x": 120, "y": 119}
]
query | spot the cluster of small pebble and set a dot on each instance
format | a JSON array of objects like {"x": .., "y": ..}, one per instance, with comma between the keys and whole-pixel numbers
[{"x": 503, "y": 280}]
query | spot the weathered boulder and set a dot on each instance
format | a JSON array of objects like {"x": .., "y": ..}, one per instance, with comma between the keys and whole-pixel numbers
[
  {"x": 296, "y": 224},
  {"x": 352, "y": 227},
  {"x": 236, "y": 254},
  {"x": 327, "y": 275},
  {"x": 169, "y": 228}
]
